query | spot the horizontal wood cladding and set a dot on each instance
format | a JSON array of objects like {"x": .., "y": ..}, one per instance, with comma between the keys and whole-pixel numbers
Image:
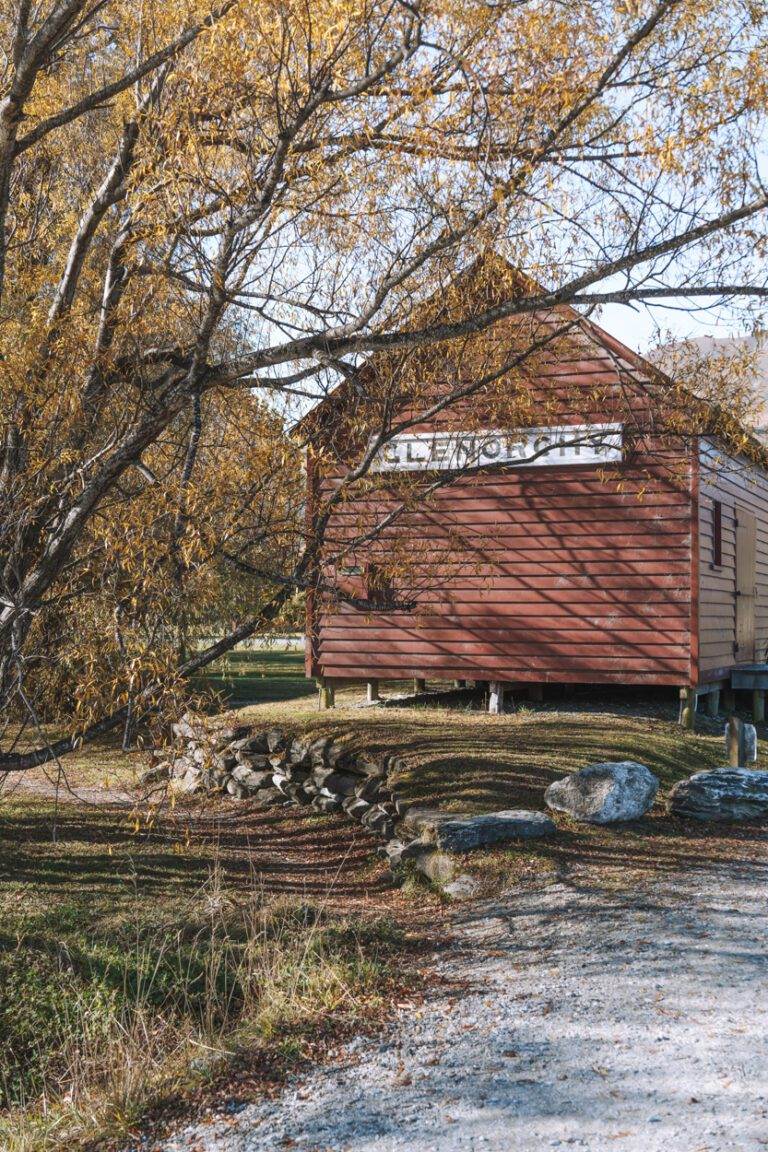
[
  {"x": 565, "y": 649},
  {"x": 459, "y": 670},
  {"x": 499, "y": 665},
  {"x": 574, "y": 631},
  {"x": 569, "y": 573},
  {"x": 516, "y": 576},
  {"x": 735, "y": 484}
]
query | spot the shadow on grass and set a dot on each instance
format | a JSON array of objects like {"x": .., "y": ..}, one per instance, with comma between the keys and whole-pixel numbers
[
  {"x": 99, "y": 856},
  {"x": 659, "y": 844},
  {"x": 466, "y": 760},
  {"x": 463, "y": 760},
  {"x": 258, "y": 678}
]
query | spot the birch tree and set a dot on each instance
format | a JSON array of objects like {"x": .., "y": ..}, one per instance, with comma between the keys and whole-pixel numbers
[{"x": 204, "y": 201}]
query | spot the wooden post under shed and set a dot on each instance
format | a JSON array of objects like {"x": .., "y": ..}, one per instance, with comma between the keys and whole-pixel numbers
[
  {"x": 327, "y": 693},
  {"x": 734, "y": 742},
  {"x": 496, "y": 690},
  {"x": 688, "y": 708}
]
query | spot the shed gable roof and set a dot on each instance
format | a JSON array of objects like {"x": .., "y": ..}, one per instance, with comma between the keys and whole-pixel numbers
[{"x": 628, "y": 365}]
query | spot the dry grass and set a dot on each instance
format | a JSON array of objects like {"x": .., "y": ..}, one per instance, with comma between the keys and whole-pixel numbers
[
  {"x": 137, "y": 956},
  {"x": 148, "y": 959},
  {"x": 100, "y": 1019}
]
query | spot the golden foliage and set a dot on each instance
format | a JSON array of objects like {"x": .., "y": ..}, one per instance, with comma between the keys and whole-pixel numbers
[{"x": 205, "y": 197}]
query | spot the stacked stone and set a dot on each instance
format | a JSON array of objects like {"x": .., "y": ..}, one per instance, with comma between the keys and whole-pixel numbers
[
  {"x": 275, "y": 769},
  {"x": 213, "y": 759},
  {"x": 323, "y": 774}
]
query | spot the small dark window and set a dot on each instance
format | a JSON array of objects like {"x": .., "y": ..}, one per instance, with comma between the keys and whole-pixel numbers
[
  {"x": 717, "y": 533},
  {"x": 379, "y": 586}
]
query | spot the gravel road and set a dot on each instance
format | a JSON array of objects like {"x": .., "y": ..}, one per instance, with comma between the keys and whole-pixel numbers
[{"x": 577, "y": 1015}]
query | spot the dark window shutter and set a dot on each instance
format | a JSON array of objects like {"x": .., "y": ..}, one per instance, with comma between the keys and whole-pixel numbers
[{"x": 379, "y": 586}]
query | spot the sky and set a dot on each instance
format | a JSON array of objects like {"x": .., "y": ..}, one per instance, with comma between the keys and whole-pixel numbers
[{"x": 639, "y": 328}]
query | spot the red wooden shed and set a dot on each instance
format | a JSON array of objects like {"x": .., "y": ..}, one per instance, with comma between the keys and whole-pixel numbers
[{"x": 608, "y": 545}]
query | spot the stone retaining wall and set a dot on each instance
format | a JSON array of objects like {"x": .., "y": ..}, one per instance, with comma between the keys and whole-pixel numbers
[{"x": 275, "y": 767}]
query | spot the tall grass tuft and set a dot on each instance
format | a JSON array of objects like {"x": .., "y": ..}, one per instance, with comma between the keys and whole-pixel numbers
[{"x": 94, "y": 1030}]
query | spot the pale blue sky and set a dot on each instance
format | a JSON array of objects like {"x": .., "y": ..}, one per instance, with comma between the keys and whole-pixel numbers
[{"x": 639, "y": 328}]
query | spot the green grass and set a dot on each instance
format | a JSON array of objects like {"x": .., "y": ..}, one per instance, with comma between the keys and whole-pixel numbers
[
  {"x": 258, "y": 676},
  {"x": 137, "y": 963}
]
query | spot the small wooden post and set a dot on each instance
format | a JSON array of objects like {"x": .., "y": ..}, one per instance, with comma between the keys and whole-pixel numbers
[
  {"x": 734, "y": 742},
  {"x": 327, "y": 693},
  {"x": 758, "y": 706},
  {"x": 713, "y": 702},
  {"x": 372, "y": 691},
  {"x": 688, "y": 708},
  {"x": 419, "y": 685},
  {"x": 536, "y": 693},
  {"x": 496, "y": 697}
]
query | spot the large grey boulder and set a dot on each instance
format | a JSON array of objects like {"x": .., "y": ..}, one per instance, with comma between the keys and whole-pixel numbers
[
  {"x": 455, "y": 832},
  {"x": 724, "y": 794},
  {"x": 604, "y": 793}
]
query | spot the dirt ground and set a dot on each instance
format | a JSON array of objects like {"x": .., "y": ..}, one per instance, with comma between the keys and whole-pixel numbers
[
  {"x": 611, "y": 994},
  {"x": 584, "y": 1012}
]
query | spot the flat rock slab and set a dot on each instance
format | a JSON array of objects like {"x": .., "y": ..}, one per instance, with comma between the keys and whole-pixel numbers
[
  {"x": 724, "y": 794},
  {"x": 607, "y": 793},
  {"x": 459, "y": 832}
]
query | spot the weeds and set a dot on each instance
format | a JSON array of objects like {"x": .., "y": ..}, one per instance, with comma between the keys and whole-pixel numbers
[{"x": 95, "y": 1028}]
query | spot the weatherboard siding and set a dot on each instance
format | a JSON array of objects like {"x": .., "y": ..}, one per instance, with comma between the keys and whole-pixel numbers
[
  {"x": 736, "y": 484},
  {"x": 559, "y": 574},
  {"x": 555, "y": 574}
]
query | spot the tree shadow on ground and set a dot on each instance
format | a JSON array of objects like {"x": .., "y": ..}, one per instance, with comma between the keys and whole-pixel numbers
[{"x": 101, "y": 854}]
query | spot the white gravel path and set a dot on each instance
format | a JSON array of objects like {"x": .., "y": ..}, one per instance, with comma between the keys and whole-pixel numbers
[{"x": 590, "y": 1017}]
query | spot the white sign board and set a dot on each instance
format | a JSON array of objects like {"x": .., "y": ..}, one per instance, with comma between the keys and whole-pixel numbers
[{"x": 527, "y": 447}]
